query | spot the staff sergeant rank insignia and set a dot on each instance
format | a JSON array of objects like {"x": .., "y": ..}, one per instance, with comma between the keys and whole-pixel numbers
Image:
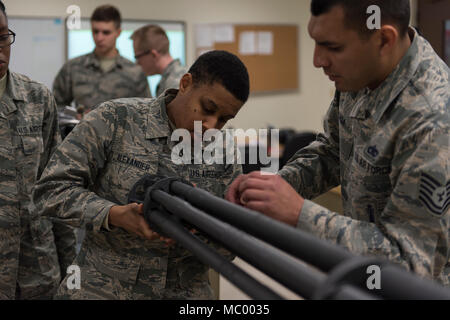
[{"x": 434, "y": 195}]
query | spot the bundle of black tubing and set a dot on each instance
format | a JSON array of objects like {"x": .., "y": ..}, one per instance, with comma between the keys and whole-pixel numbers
[{"x": 272, "y": 247}]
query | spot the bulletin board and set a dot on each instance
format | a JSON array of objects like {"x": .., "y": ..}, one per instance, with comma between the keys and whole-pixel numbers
[{"x": 272, "y": 60}]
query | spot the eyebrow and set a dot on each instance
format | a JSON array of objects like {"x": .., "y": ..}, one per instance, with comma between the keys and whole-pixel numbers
[
  {"x": 213, "y": 103},
  {"x": 100, "y": 30}
]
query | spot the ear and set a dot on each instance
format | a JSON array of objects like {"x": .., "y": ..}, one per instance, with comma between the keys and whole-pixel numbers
[
  {"x": 389, "y": 36},
  {"x": 155, "y": 53},
  {"x": 119, "y": 31},
  {"x": 186, "y": 83}
]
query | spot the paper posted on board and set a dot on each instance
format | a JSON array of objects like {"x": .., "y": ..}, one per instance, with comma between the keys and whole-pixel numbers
[
  {"x": 265, "y": 43},
  {"x": 224, "y": 33},
  {"x": 256, "y": 43},
  {"x": 247, "y": 43}
]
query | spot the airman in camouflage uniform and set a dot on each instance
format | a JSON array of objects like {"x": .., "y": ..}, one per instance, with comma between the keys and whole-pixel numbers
[
  {"x": 82, "y": 80},
  {"x": 95, "y": 167},
  {"x": 29, "y": 266},
  {"x": 386, "y": 141},
  {"x": 103, "y": 74},
  {"x": 29, "y": 261},
  {"x": 389, "y": 148},
  {"x": 170, "y": 79}
]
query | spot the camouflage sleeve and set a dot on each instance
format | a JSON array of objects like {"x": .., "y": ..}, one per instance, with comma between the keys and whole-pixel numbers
[
  {"x": 142, "y": 88},
  {"x": 413, "y": 229},
  {"x": 62, "y": 87},
  {"x": 65, "y": 188},
  {"x": 63, "y": 233},
  {"x": 315, "y": 169}
]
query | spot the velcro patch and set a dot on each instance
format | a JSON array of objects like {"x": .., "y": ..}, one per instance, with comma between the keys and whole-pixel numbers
[{"x": 433, "y": 195}]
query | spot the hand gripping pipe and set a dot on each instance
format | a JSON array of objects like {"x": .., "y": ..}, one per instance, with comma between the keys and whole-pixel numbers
[
  {"x": 170, "y": 226},
  {"x": 283, "y": 268},
  {"x": 397, "y": 283},
  {"x": 346, "y": 277}
]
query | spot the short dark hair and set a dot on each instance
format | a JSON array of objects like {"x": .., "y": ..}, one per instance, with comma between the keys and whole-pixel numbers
[
  {"x": 107, "y": 13},
  {"x": 396, "y": 12},
  {"x": 225, "y": 68},
  {"x": 152, "y": 37}
]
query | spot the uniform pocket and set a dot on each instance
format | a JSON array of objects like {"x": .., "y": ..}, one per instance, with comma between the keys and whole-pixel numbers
[
  {"x": 28, "y": 164},
  {"x": 124, "y": 170},
  {"x": 212, "y": 178},
  {"x": 369, "y": 186},
  {"x": 32, "y": 144}
]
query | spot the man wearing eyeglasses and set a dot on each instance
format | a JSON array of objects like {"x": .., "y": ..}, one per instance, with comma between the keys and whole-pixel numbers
[
  {"x": 151, "y": 46},
  {"x": 103, "y": 74},
  {"x": 29, "y": 266}
]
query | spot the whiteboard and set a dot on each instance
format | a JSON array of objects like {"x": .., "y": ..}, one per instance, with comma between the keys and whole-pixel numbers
[{"x": 39, "y": 49}]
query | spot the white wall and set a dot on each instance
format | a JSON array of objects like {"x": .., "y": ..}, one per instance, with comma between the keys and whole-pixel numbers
[
  {"x": 414, "y": 11},
  {"x": 302, "y": 110}
]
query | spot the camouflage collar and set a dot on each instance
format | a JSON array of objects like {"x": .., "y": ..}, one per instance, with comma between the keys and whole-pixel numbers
[
  {"x": 157, "y": 119},
  {"x": 92, "y": 60},
  {"x": 15, "y": 88},
  {"x": 170, "y": 67},
  {"x": 14, "y": 92},
  {"x": 360, "y": 104},
  {"x": 382, "y": 97}
]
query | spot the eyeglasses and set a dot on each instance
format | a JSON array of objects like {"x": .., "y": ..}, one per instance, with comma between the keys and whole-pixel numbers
[
  {"x": 142, "y": 54},
  {"x": 7, "y": 39}
]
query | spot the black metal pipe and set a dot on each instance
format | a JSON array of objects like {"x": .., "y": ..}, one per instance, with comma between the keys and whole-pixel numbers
[
  {"x": 281, "y": 267},
  {"x": 208, "y": 256},
  {"x": 347, "y": 292},
  {"x": 398, "y": 283},
  {"x": 302, "y": 245}
]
